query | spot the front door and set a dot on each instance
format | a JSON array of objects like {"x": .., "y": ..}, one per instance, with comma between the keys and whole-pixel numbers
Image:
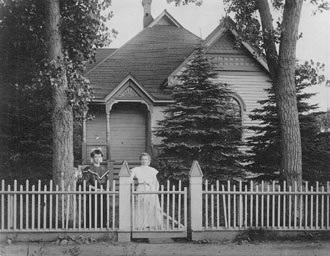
[{"x": 127, "y": 131}]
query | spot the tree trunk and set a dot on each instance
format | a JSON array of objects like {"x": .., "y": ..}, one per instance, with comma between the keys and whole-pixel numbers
[
  {"x": 286, "y": 94},
  {"x": 62, "y": 116},
  {"x": 282, "y": 70}
]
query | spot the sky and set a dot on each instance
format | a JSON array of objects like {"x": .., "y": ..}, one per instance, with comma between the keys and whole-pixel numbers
[{"x": 202, "y": 20}]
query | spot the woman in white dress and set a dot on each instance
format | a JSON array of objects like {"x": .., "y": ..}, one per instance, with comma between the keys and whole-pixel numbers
[{"x": 147, "y": 211}]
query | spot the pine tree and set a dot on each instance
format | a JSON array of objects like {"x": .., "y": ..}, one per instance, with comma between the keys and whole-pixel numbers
[
  {"x": 201, "y": 125},
  {"x": 265, "y": 158}
]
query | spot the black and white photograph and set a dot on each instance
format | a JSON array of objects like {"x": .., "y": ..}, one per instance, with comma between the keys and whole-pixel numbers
[{"x": 164, "y": 127}]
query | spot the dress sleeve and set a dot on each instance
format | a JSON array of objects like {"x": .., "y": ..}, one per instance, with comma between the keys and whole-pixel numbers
[{"x": 155, "y": 183}]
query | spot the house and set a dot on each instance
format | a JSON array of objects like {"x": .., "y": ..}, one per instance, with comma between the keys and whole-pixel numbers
[{"x": 130, "y": 83}]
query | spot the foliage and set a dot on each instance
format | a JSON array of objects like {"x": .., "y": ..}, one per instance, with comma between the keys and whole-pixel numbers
[
  {"x": 201, "y": 125},
  {"x": 27, "y": 77},
  {"x": 265, "y": 144},
  {"x": 276, "y": 40}
]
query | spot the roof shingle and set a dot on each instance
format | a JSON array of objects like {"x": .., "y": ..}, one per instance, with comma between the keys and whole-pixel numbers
[{"x": 151, "y": 56}]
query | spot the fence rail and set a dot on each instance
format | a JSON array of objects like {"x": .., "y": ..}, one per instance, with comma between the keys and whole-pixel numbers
[{"x": 263, "y": 205}]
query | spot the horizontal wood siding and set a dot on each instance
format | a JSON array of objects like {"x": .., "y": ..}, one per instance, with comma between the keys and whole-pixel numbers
[
  {"x": 96, "y": 127},
  {"x": 251, "y": 87},
  {"x": 127, "y": 131}
]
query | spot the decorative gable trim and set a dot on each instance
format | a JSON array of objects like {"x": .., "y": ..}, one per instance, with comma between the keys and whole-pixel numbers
[
  {"x": 165, "y": 14},
  {"x": 214, "y": 36},
  {"x": 129, "y": 90}
]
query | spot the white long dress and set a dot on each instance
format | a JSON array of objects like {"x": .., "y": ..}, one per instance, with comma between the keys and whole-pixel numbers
[{"x": 147, "y": 211}]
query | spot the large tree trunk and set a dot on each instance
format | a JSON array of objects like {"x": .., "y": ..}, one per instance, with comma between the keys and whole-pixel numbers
[
  {"x": 282, "y": 69},
  {"x": 285, "y": 89},
  {"x": 62, "y": 116}
]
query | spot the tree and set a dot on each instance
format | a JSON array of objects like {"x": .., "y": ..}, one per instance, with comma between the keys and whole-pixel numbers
[
  {"x": 265, "y": 144},
  {"x": 201, "y": 125},
  {"x": 25, "y": 151},
  {"x": 254, "y": 22},
  {"x": 66, "y": 34}
]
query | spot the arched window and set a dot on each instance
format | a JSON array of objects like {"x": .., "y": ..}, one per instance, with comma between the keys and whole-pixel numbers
[{"x": 236, "y": 110}]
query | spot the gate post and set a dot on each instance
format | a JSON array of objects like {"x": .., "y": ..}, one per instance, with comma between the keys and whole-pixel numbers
[
  {"x": 196, "y": 200},
  {"x": 124, "y": 232}
]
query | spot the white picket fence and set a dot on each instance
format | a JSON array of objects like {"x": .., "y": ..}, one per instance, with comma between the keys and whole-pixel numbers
[
  {"x": 268, "y": 206},
  {"x": 55, "y": 208},
  {"x": 210, "y": 207}
]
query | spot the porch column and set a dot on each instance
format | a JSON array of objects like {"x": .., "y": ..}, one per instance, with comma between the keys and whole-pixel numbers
[
  {"x": 124, "y": 232},
  {"x": 84, "y": 146},
  {"x": 108, "y": 134},
  {"x": 195, "y": 200},
  {"x": 108, "y": 109},
  {"x": 110, "y": 164}
]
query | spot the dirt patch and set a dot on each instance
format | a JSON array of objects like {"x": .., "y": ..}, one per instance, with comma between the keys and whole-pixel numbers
[{"x": 315, "y": 248}]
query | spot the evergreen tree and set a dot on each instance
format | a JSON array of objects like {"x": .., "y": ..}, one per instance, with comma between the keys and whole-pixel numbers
[
  {"x": 265, "y": 158},
  {"x": 201, "y": 125}
]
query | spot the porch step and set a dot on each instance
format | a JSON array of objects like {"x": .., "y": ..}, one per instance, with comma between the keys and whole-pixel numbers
[{"x": 116, "y": 169}]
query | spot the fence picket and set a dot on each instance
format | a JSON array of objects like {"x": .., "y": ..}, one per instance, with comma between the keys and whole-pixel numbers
[
  {"x": 67, "y": 206},
  {"x": 33, "y": 207},
  {"x": 251, "y": 204},
  {"x": 27, "y": 202},
  {"x": 15, "y": 206},
  {"x": 295, "y": 206},
  {"x": 168, "y": 205},
  {"x": 3, "y": 204},
  {"x": 301, "y": 208},
  {"x": 44, "y": 207},
  {"x": 245, "y": 207},
  {"x": 224, "y": 205},
  {"x": 79, "y": 207},
  {"x": 212, "y": 207},
  {"x": 322, "y": 208},
  {"x": 312, "y": 202},
  {"x": 317, "y": 206},
  {"x": 39, "y": 204},
  {"x": 162, "y": 205},
  {"x": 273, "y": 203},
  {"x": 56, "y": 207},
  {"x": 284, "y": 205},
  {"x": 229, "y": 204},
  {"x": 218, "y": 204},
  {"x": 328, "y": 203},
  {"x": 267, "y": 206},
  {"x": 306, "y": 205},
  {"x": 179, "y": 206},
  {"x": 234, "y": 206},
  {"x": 206, "y": 212},
  {"x": 262, "y": 203},
  {"x": 51, "y": 205}
]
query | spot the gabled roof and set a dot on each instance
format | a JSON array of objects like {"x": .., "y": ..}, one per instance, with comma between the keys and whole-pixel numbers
[
  {"x": 165, "y": 18},
  {"x": 136, "y": 84},
  {"x": 227, "y": 24},
  {"x": 100, "y": 55},
  {"x": 150, "y": 56}
]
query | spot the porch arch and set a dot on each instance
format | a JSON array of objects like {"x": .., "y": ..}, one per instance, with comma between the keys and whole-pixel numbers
[{"x": 129, "y": 127}]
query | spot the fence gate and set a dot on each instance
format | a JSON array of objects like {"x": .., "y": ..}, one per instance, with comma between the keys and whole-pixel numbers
[{"x": 159, "y": 214}]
